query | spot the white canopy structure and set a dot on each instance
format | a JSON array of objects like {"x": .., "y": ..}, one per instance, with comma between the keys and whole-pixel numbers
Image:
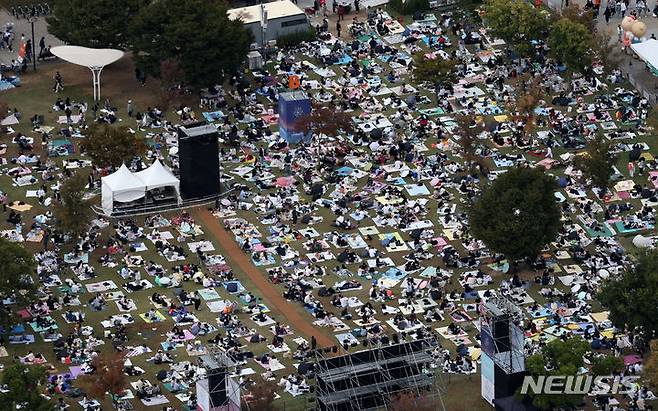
[
  {"x": 648, "y": 52},
  {"x": 93, "y": 59},
  {"x": 157, "y": 176},
  {"x": 121, "y": 186},
  {"x": 124, "y": 186}
]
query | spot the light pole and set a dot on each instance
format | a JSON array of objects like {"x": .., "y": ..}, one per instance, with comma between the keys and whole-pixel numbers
[{"x": 32, "y": 19}]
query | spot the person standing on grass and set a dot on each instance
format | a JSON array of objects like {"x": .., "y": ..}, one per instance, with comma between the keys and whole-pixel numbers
[
  {"x": 631, "y": 168},
  {"x": 3, "y": 200},
  {"x": 58, "y": 83}
]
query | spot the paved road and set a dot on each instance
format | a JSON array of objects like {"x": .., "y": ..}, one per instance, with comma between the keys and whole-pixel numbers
[{"x": 22, "y": 26}]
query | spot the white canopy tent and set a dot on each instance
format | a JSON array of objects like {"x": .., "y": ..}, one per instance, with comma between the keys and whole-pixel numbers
[
  {"x": 648, "y": 52},
  {"x": 121, "y": 186},
  {"x": 93, "y": 59},
  {"x": 124, "y": 186},
  {"x": 157, "y": 176}
]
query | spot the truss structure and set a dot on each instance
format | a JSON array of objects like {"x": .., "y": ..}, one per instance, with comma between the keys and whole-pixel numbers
[
  {"x": 218, "y": 391},
  {"x": 371, "y": 379},
  {"x": 501, "y": 335}
]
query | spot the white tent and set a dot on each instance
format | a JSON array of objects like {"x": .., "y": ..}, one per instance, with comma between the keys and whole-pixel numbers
[
  {"x": 647, "y": 51},
  {"x": 121, "y": 186},
  {"x": 157, "y": 175}
]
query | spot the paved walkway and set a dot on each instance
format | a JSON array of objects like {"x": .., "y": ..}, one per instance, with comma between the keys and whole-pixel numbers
[
  {"x": 635, "y": 70},
  {"x": 267, "y": 289},
  {"x": 23, "y": 27}
]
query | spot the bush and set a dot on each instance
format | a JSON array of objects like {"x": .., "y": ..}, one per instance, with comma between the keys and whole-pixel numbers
[
  {"x": 409, "y": 7},
  {"x": 293, "y": 39}
]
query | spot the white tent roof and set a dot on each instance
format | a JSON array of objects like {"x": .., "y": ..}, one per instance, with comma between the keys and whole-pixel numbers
[
  {"x": 123, "y": 180},
  {"x": 157, "y": 175},
  {"x": 121, "y": 186},
  {"x": 275, "y": 10},
  {"x": 85, "y": 56},
  {"x": 647, "y": 51}
]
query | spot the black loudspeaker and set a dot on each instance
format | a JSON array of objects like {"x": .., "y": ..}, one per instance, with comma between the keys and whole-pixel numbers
[
  {"x": 501, "y": 334},
  {"x": 217, "y": 388},
  {"x": 198, "y": 154}
]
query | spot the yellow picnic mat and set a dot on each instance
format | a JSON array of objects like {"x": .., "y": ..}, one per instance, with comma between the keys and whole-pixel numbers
[{"x": 20, "y": 206}]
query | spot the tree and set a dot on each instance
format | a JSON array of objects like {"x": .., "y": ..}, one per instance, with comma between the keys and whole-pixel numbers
[
  {"x": 517, "y": 215},
  {"x": 325, "y": 120},
  {"x": 469, "y": 133},
  {"x": 74, "y": 214},
  {"x": 598, "y": 163},
  {"x": 607, "y": 365},
  {"x": 408, "y": 400},
  {"x": 108, "y": 377},
  {"x": 526, "y": 104},
  {"x": 577, "y": 15},
  {"x": 98, "y": 23},
  {"x": 631, "y": 296},
  {"x": 571, "y": 42},
  {"x": 197, "y": 33},
  {"x": 517, "y": 22},
  {"x": 24, "y": 385},
  {"x": 651, "y": 366},
  {"x": 605, "y": 51},
  {"x": 110, "y": 146},
  {"x": 15, "y": 278},
  {"x": 172, "y": 77},
  {"x": 435, "y": 71},
  {"x": 261, "y": 396},
  {"x": 561, "y": 358}
]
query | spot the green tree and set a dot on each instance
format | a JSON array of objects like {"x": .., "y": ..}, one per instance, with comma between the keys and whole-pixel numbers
[
  {"x": 517, "y": 215},
  {"x": 517, "y": 22},
  {"x": 598, "y": 163},
  {"x": 110, "y": 146},
  {"x": 651, "y": 366},
  {"x": 631, "y": 296},
  {"x": 98, "y": 23},
  {"x": 578, "y": 15},
  {"x": 197, "y": 33},
  {"x": 18, "y": 265},
  {"x": 24, "y": 385},
  {"x": 74, "y": 214},
  {"x": 435, "y": 71},
  {"x": 558, "y": 357},
  {"x": 571, "y": 42},
  {"x": 607, "y": 365}
]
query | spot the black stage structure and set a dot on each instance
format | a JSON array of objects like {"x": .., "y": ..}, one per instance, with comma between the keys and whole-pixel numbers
[
  {"x": 371, "y": 379},
  {"x": 198, "y": 158}
]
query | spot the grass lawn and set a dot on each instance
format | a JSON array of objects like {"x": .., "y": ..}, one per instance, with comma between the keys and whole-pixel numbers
[{"x": 120, "y": 85}]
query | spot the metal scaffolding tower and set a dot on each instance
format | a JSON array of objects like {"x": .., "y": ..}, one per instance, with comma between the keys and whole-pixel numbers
[{"x": 371, "y": 379}]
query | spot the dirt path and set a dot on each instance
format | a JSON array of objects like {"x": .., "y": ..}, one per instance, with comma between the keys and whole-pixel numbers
[{"x": 267, "y": 289}]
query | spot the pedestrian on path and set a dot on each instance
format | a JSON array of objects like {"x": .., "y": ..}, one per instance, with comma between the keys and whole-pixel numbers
[
  {"x": 338, "y": 28},
  {"x": 130, "y": 108}
]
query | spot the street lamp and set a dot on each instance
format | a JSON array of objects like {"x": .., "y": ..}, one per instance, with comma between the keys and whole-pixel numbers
[{"x": 32, "y": 19}]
